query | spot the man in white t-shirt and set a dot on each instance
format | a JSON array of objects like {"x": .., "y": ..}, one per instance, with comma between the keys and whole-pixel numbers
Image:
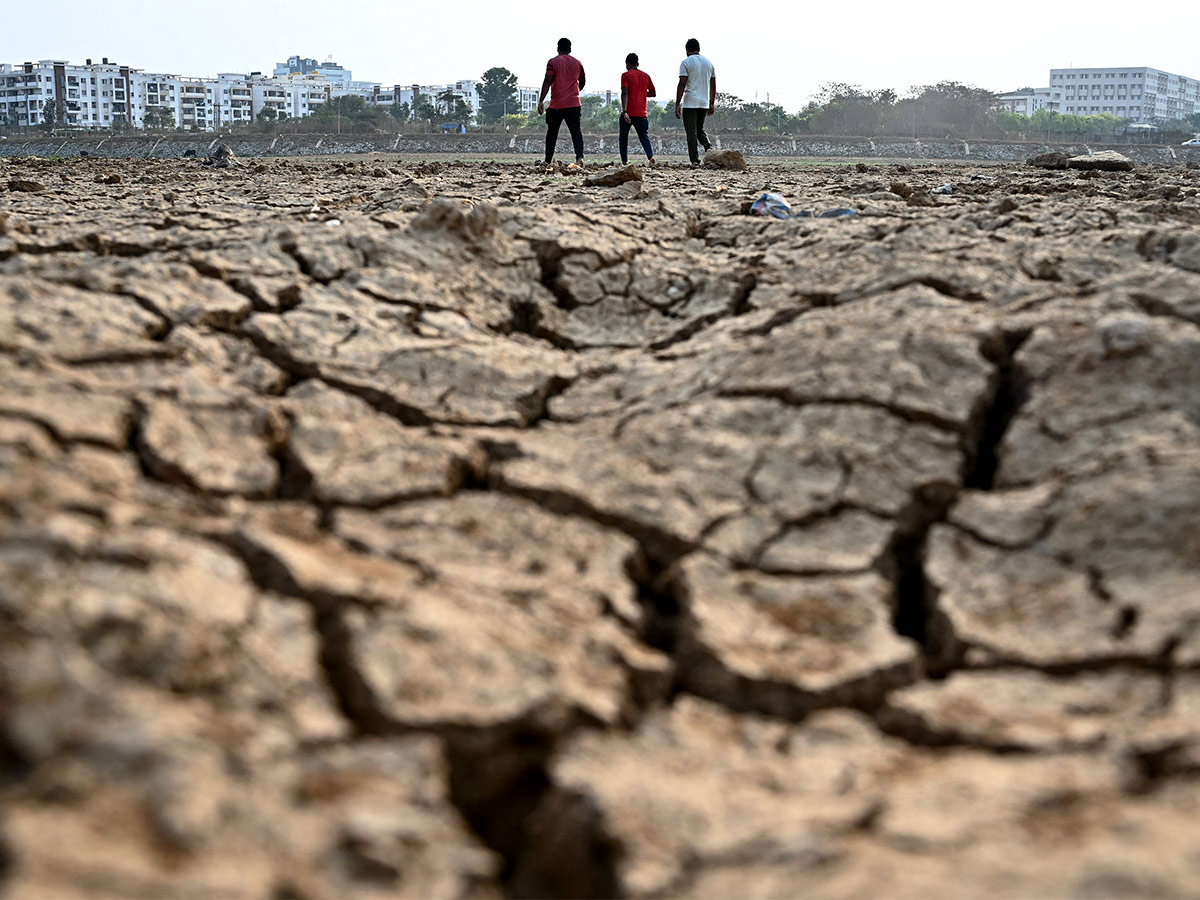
[{"x": 695, "y": 98}]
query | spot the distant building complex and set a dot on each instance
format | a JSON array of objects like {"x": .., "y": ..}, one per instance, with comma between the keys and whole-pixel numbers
[
  {"x": 1138, "y": 93},
  {"x": 108, "y": 95},
  {"x": 1027, "y": 101},
  {"x": 1141, "y": 94}
]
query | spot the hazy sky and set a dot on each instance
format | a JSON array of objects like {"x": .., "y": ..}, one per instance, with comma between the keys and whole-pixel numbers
[{"x": 784, "y": 49}]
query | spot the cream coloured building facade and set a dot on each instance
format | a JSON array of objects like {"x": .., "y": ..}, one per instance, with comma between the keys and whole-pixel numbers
[{"x": 1138, "y": 93}]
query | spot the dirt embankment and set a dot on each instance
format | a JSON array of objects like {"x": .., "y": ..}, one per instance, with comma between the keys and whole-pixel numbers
[
  {"x": 665, "y": 144},
  {"x": 383, "y": 528}
]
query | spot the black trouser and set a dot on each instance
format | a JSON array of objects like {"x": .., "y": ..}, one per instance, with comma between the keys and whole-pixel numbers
[
  {"x": 693, "y": 124},
  {"x": 641, "y": 124},
  {"x": 554, "y": 118}
]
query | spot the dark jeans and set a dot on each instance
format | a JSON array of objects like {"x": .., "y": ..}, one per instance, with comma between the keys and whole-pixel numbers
[
  {"x": 641, "y": 124},
  {"x": 555, "y": 118},
  {"x": 693, "y": 124}
]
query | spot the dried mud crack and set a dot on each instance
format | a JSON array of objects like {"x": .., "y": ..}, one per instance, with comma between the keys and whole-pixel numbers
[{"x": 390, "y": 536}]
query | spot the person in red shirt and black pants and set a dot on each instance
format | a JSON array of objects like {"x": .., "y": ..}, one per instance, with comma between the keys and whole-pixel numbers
[
  {"x": 636, "y": 86},
  {"x": 565, "y": 74}
]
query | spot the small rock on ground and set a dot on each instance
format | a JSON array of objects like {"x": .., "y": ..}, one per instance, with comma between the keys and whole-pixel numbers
[{"x": 725, "y": 159}]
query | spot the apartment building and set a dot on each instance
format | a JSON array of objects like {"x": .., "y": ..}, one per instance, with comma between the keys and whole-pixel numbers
[
  {"x": 291, "y": 96},
  {"x": 1139, "y": 93},
  {"x": 1027, "y": 101},
  {"x": 107, "y": 95},
  {"x": 86, "y": 96},
  {"x": 340, "y": 79}
]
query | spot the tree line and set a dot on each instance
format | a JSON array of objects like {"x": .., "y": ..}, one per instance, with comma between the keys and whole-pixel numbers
[{"x": 946, "y": 109}]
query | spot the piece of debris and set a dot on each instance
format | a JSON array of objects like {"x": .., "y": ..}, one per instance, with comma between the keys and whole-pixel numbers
[
  {"x": 222, "y": 157},
  {"x": 190, "y": 153},
  {"x": 920, "y": 197},
  {"x": 943, "y": 189},
  {"x": 1102, "y": 161},
  {"x": 630, "y": 190},
  {"x": 21, "y": 184},
  {"x": 1052, "y": 160},
  {"x": 773, "y": 205},
  {"x": 114, "y": 178},
  {"x": 901, "y": 189},
  {"x": 837, "y": 212},
  {"x": 725, "y": 159},
  {"x": 613, "y": 177}
]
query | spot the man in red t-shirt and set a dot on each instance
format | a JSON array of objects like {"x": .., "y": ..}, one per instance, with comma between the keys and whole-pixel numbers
[
  {"x": 636, "y": 86},
  {"x": 564, "y": 73}
]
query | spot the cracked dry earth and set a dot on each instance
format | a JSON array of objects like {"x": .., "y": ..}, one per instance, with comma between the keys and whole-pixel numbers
[{"x": 374, "y": 528}]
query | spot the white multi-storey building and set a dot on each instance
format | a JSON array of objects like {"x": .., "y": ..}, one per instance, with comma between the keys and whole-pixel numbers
[
  {"x": 1027, "y": 101},
  {"x": 107, "y": 95},
  {"x": 86, "y": 96},
  {"x": 340, "y": 78},
  {"x": 1139, "y": 93},
  {"x": 529, "y": 98}
]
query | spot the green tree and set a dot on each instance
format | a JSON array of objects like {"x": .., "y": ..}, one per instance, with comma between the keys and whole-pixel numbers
[
  {"x": 351, "y": 113},
  {"x": 49, "y": 114},
  {"x": 848, "y": 109},
  {"x": 446, "y": 100},
  {"x": 401, "y": 112},
  {"x": 598, "y": 116},
  {"x": 158, "y": 117},
  {"x": 949, "y": 107},
  {"x": 662, "y": 115},
  {"x": 423, "y": 108},
  {"x": 497, "y": 94},
  {"x": 463, "y": 113},
  {"x": 266, "y": 118}
]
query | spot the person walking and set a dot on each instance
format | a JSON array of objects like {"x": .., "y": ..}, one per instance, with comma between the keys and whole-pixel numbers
[
  {"x": 695, "y": 98},
  {"x": 636, "y": 86},
  {"x": 565, "y": 78}
]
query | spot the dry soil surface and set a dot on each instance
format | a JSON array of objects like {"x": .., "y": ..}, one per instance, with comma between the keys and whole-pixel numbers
[{"x": 371, "y": 528}]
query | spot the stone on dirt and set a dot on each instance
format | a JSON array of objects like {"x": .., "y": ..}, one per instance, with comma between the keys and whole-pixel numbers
[
  {"x": 725, "y": 159},
  {"x": 614, "y": 177},
  {"x": 1051, "y": 160},
  {"x": 1103, "y": 161}
]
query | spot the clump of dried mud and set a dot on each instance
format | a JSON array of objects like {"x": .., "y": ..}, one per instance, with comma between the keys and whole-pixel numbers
[{"x": 374, "y": 529}]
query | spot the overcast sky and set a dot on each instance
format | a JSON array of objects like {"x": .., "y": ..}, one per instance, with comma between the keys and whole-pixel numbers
[{"x": 784, "y": 49}]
